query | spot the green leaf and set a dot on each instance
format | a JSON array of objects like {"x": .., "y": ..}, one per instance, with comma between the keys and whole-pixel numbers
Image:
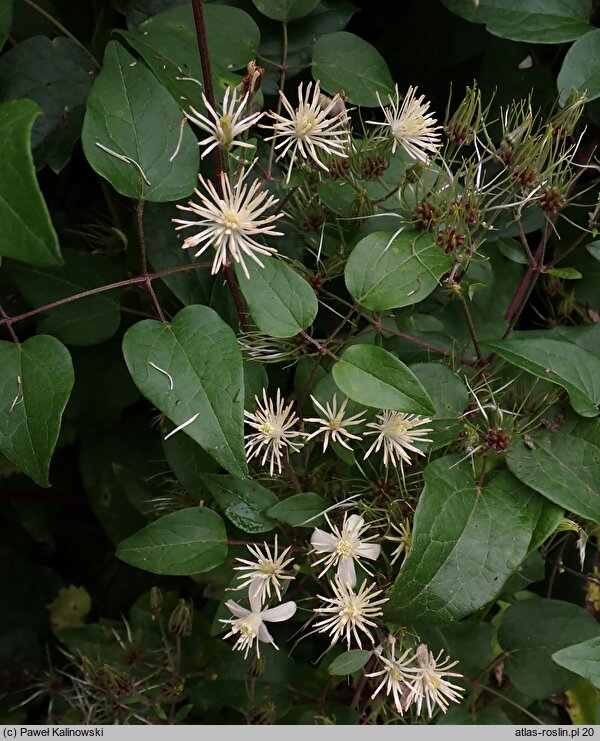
[
  {"x": 338, "y": 195},
  {"x": 374, "y": 377},
  {"x": 461, "y": 536},
  {"x": 83, "y": 322},
  {"x": 188, "y": 462},
  {"x": 581, "y": 658},
  {"x": 575, "y": 369},
  {"x": 186, "y": 542},
  {"x": 139, "y": 10},
  {"x": 469, "y": 642},
  {"x": 281, "y": 302},
  {"x": 169, "y": 46},
  {"x": 201, "y": 354},
  {"x": 6, "y": 14},
  {"x": 547, "y": 22},
  {"x": 285, "y": 10},
  {"x": 348, "y": 662},
  {"x": 343, "y": 61},
  {"x": 531, "y": 632},
  {"x": 299, "y": 509},
  {"x": 130, "y": 113},
  {"x": 581, "y": 68},
  {"x": 565, "y": 273},
  {"x": 27, "y": 233},
  {"x": 243, "y": 501},
  {"x": 35, "y": 384},
  {"x": 594, "y": 249},
  {"x": 383, "y": 274},
  {"x": 512, "y": 250},
  {"x": 56, "y": 74},
  {"x": 564, "y": 465}
]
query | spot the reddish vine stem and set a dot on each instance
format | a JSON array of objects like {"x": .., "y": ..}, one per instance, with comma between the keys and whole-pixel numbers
[
  {"x": 147, "y": 282},
  {"x": 217, "y": 156},
  {"x": 427, "y": 345},
  {"x": 291, "y": 474},
  {"x": 8, "y": 321}
]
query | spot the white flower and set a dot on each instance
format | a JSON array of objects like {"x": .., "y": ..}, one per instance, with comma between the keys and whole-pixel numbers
[
  {"x": 396, "y": 432},
  {"x": 349, "y": 612},
  {"x": 343, "y": 547},
  {"x": 410, "y": 125},
  {"x": 224, "y": 129},
  {"x": 274, "y": 424},
  {"x": 429, "y": 684},
  {"x": 396, "y": 676},
  {"x": 250, "y": 624},
  {"x": 310, "y": 127},
  {"x": 266, "y": 571},
  {"x": 231, "y": 223},
  {"x": 333, "y": 423}
]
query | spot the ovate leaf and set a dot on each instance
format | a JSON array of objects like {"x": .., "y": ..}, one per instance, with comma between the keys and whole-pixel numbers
[
  {"x": 243, "y": 501},
  {"x": 575, "y": 369},
  {"x": 461, "y": 536},
  {"x": 299, "y": 510},
  {"x": 372, "y": 376},
  {"x": 348, "y": 662},
  {"x": 531, "y": 632},
  {"x": 384, "y": 274},
  {"x": 201, "y": 355},
  {"x": 343, "y": 61},
  {"x": 581, "y": 658},
  {"x": 132, "y": 115},
  {"x": 57, "y": 74},
  {"x": 281, "y": 302},
  {"x": 581, "y": 68},
  {"x": 27, "y": 233},
  {"x": 563, "y": 465},
  {"x": 186, "y": 542},
  {"x": 35, "y": 383},
  {"x": 547, "y": 22}
]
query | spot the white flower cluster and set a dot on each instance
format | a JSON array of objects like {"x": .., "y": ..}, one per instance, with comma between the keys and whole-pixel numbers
[
  {"x": 232, "y": 213},
  {"x": 274, "y": 431},
  {"x": 417, "y": 679}
]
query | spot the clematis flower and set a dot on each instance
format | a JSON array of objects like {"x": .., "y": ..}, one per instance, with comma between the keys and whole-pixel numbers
[
  {"x": 410, "y": 125},
  {"x": 265, "y": 572},
  {"x": 342, "y": 548},
  {"x": 396, "y": 675},
  {"x": 429, "y": 684},
  {"x": 249, "y": 625},
  {"x": 348, "y": 612},
  {"x": 333, "y": 424},
  {"x": 396, "y": 433}
]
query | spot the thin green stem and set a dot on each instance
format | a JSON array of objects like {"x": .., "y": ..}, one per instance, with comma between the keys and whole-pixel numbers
[
  {"x": 65, "y": 31},
  {"x": 147, "y": 282},
  {"x": 282, "y": 72},
  {"x": 9, "y": 322},
  {"x": 472, "y": 331}
]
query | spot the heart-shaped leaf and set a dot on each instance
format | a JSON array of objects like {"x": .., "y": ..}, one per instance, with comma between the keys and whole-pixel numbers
[
  {"x": 192, "y": 371},
  {"x": 243, "y": 501},
  {"x": 35, "y": 384},
  {"x": 179, "y": 544},
  {"x": 372, "y": 376},
  {"x": 132, "y": 132}
]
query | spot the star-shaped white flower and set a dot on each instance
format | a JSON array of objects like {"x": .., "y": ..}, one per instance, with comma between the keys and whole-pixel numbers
[
  {"x": 274, "y": 435},
  {"x": 396, "y": 675},
  {"x": 224, "y": 129},
  {"x": 249, "y": 625},
  {"x": 266, "y": 571},
  {"x": 410, "y": 125},
  {"x": 349, "y": 612},
  {"x": 343, "y": 548},
  {"x": 429, "y": 683},
  {"x": 397, "y": 432},
  {"x": 232, "y": 222},
  {"x": 333, "y": 424},
  {"x": 311, "y": 129}
]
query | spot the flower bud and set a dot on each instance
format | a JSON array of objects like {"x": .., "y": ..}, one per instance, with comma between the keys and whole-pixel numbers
[
  {"x": 251, "y": 82},
  {"x": 156, "y": 601},
  {"x": 180, "y": 621}
]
